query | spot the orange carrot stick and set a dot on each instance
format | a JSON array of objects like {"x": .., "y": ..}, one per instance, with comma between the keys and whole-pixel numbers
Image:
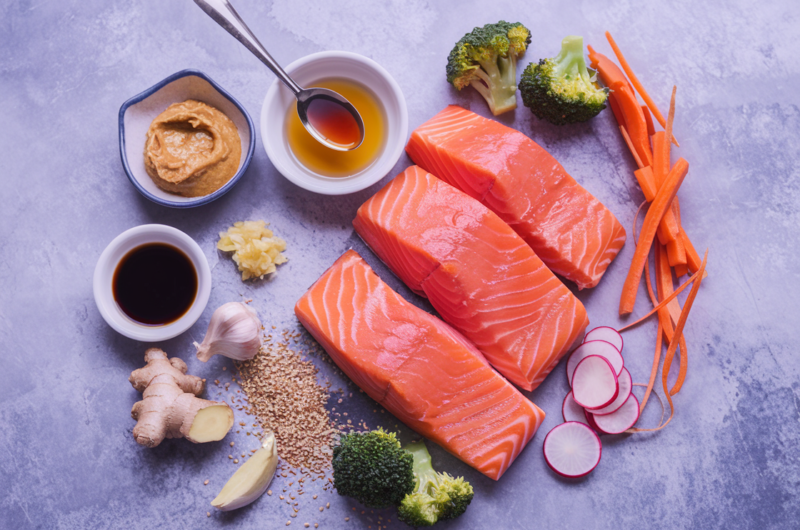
[
  {"x": 668, "y": 230},
  {"x": 632, "y": 149},
  {"x": 672, "y": 310},
  {"x": 668, "y": 126},
  {"x": 637, "y": 85},
  {"x": 653, "y": 370},
  {"x": 644, "y": 176},
  {"x": 664, "y": 283},
  {"x": 609, "y": 72},
  {"x": 634, "y": 121},
  {"x": 657, "y": 209},
  {"x": 676, "y": 252},
  {"x": 615, "y": 109},
  {"x": 681, "y": 270},
  {"x": 661, "y": 304},
  {"x": 664, "y": 315},
  {"x": 676, "y": 210},
  {"x": 687, "y": 306},
  {"x": 692, "y": 258},
  {"x": 660, "y": 165},
  {"x": 648, "y": 118}
]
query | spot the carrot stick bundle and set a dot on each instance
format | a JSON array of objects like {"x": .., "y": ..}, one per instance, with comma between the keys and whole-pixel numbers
[
  {"x": 654, "y": 215},
  {"x": 637, "y": 85}
]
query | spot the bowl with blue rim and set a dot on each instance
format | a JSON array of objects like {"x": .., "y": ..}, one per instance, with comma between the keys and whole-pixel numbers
[{"x": 136, "y": 115}]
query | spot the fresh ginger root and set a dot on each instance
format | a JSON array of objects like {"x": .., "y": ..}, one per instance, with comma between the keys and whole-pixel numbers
[{"x": 170, "y": 407}]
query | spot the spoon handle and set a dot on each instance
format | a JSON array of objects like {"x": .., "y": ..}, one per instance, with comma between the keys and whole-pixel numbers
[{"x": 226, "y": 16}]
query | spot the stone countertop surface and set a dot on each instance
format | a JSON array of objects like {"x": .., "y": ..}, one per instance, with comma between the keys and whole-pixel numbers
[{"x": 730, "y": 457}]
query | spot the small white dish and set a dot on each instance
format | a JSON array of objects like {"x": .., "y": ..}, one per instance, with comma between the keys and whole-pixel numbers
[
  {"x": 104, "y": 276},
  {"x": 306, "y": 71},
  {"x": 136, "y": 115}
]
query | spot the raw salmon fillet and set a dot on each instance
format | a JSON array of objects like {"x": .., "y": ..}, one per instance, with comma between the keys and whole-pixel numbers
[
  {"x": 477, "y": 272},
  {"x": 416, "y": 366},
  {"x": 571, "y": 231}
]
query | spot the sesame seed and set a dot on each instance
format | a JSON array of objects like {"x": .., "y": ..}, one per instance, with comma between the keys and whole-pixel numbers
[{"x": 282, "y": 392}]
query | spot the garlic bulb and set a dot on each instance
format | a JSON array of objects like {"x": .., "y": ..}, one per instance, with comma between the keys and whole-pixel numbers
[
  {"x": 251, "y": 480},
  {"x": 234, "y": 332}
]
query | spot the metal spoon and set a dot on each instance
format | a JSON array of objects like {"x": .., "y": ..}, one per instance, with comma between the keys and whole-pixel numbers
[{"x": 226, "y": 16}]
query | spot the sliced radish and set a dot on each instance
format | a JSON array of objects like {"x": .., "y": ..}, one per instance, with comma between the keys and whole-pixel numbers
[
  {"x": 591, "y": 423},
  {"x": 594, "y": 383},
  {"x": 620, "y": 421},
  {"x": 571, "y": 411},
  {"x": 607, "y": 334},
  {"x": 625, "y": 387},
  {"x": 595, "y": 347},
  {"x": 572, "y": 449}
]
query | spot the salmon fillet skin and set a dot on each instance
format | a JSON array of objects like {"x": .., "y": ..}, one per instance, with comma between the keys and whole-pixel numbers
[
  {"x": 478, "y": 274},
  {"x": 417, "y": 367},
  {"x": 570, "y": 230}
]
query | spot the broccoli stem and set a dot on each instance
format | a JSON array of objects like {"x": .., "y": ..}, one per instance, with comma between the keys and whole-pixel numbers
[
  {"x": 570, "y": 62},
  {"x": 423, "y": 467},
  {"x": 498, "y": 82}
]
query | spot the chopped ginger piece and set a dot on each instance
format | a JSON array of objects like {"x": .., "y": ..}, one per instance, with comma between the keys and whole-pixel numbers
[{"x": 255, "y": 248}]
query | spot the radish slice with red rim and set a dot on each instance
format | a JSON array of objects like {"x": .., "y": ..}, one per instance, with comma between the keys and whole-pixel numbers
[
  {"x": 571, "y": 411},
  {"x": 594, "y": 383},
  {"x": 591, "y": 423},
  {"x": 625, "y": 387},
  {"x": 602, "y": 348},
  {"x": 572, "y": 449},
  {"x": 607, "y": 334},
  {"x": 620, "y": 421}
]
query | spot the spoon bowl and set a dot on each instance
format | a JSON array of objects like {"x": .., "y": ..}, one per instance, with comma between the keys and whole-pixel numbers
[
  {"x": 330, "y": 118},
  {"x": 337, "y": 108}
]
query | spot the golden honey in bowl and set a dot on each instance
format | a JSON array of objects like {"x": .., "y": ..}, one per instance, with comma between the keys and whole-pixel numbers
[{"x": 328, "y": 162}]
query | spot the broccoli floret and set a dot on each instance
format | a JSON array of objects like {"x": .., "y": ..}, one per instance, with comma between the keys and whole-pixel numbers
[
  {"x": 372, "y": 468},
  {"x": 486, "y": 59},
  {"x": 436, "y": 496},
  {"x": 561, "y": 90}
]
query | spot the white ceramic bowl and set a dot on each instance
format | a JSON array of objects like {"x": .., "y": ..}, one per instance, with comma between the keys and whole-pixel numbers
[
  {"x": 306, "y": 71},
  {"x": 136, "y": 115},
  {"x": 104, "y": 275}
]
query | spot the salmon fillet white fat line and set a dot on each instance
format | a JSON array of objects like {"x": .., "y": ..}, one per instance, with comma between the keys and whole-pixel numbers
[
  {"x": 569, "y": 229},
  {"x": 478, "y": 274},
  {"x": 417, "y": 367}
]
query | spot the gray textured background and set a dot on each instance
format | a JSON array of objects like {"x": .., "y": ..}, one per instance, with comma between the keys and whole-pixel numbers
[{"x": 67, "y": 458}]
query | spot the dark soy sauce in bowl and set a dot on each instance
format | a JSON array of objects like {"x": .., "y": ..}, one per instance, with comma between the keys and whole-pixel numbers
[{"x": 155, "y": 284}]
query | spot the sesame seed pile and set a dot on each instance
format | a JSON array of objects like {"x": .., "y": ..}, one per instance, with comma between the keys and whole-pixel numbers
[{"x": 284, "y": 395}]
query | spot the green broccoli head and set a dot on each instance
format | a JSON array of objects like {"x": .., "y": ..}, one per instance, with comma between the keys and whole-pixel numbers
[
  {"x": 436, "y": 496},
  {"x": 561, "y": 90},
  {"x": 372, "y": 468},
  {"x": 453, "y": 496},
  {"x": 486, "y": 59}
]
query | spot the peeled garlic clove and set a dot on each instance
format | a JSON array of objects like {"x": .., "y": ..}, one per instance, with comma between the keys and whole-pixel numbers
[
  {"x": 251, "y": 479},
  {"x": 234, "y": 332}
]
